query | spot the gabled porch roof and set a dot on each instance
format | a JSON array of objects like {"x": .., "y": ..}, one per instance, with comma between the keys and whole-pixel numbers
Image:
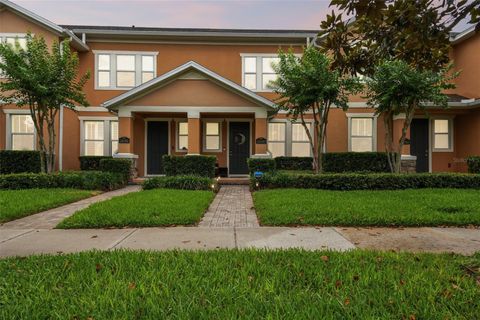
[{"x": 190, "y": 66}]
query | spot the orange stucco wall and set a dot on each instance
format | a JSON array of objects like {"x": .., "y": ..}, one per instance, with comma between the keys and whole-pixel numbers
[{"x": 465, "y": 58}]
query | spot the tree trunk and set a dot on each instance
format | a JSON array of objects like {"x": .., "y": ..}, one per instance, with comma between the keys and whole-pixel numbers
[
  {"x": 406, "y": 124},
  {"x": 51, "y": 146},
  {"x": 310, "y": 140},
  {"x": 388, "y": 123}
]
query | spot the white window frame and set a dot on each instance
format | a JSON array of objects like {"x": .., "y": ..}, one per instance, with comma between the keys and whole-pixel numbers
[
  {"x": 8, "y": 127},
  {"x": 450, "y": 134},
  {"x": 177, "y": 135},
  {"x": 289, "y": 134},
  {"x": 285, "y": 135},
  {"x": 113, "y": 67},
  {"x": 3, "y": 39},
  {"x": 204, "y": 135},
  {"x": 374, "y": 118},
  {"x": 259, "y": 69},
  {"x": 309, "y": 124},
  {"x": 111, "y": 138},
  {"x": 107, "y": 142}
]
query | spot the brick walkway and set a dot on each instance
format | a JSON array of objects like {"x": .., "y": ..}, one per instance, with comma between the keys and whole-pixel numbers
[
  {"x": 50, "y": 218},
  {"x": 232, "y": 207}
]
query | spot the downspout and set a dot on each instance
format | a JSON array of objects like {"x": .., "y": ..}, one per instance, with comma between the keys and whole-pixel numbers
[{"x": 60, "y": 141}]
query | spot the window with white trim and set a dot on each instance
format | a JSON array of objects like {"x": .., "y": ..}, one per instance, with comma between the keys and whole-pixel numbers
[
  {"x": 12, "y": 39},
  {"x": 182, "y": 136},
  {"x": 212, "y": 141},
  {"x": 300, "y": 142},
  {"x": 99, "y": 137},
  {"x": 361, "y": 134},
  {"x": 123, "y": 70},
  {"x": 113, "y": 137},
  {"x": 22, "y": 133},
  {"x": 257, "y": 71},
  {"x": 442, "y": 134},
  {"x": 276, "y": 138}
]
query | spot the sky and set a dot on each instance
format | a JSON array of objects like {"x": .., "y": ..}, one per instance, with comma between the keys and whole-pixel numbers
[{"x": 242, "y": 14}]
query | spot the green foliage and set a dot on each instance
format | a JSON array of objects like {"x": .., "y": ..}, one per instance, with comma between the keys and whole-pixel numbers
[
  {"x": 181, "y": 182},
  {"x": 374, "y": 181},
  {"x": 356, "y": 162},
  {"x": 203, "y": 166},
  {"x": 91, "y": 162},
  {"x": 294, "y": 163},
  {"x": 473, "y": 164},
  {"x": 150, "y": 208},
  {"x": 430, "y": 207},
  {"x": 120, "y": 166},
  {"x": 12, "y": 161},
  {"x": 87, "y": 180},
  {"x": 260, "y": 164}
]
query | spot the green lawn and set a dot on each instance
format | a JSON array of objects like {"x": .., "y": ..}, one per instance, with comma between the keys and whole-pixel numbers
[
  {"x": 240, "y": 284},
  {"x": 15, "y": 204},
  {"x": 420, "y": 207},
  {"x": 157, "y": 207}
]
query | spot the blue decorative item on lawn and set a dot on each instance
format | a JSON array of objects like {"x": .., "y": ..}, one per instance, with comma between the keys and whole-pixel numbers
[{"x": 258, "y": 174}]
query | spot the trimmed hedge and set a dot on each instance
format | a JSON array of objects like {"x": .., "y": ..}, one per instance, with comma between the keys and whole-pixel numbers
[
  {"x": 473, "y": 164},
  {"x": 88, "y": 180},
  {"x": 202, "y": 166},
  {"x": 91, "y": 162},
  {"x": 294, "y": 163},
  {"x": 356, "y": 162},
  {"x": 120, "y": 166},
  {"x": 181, "y": 182},
  {"x": 261, "y": 164},
  {"x": 13, "y": 161},
  {"x": 374, "y": 181}
]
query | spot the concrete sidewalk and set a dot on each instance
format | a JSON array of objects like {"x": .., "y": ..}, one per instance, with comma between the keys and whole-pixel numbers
[{"x": 23, "y": 242}]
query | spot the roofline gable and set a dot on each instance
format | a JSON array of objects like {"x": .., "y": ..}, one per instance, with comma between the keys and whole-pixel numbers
[{"x": 172, "y": 74}]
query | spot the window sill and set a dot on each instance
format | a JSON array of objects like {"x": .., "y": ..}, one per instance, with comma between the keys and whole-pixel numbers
[
  {"x": 442, "y": 150},
  {"x": 212, "y": 151}
]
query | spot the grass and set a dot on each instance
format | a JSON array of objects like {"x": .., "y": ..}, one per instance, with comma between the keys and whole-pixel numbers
[
  {"x": 425, "y": 207},
  {"x": 157, "y": 207},
  {"x": 246, "y": 284},
  {"x": 15, "y": 204}
]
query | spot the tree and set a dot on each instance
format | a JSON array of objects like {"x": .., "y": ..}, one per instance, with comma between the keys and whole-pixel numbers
[
  {"x": 43, "y": 80},
  {"x": 396, "y": 87},
  {"x": 308, "y": 84}
]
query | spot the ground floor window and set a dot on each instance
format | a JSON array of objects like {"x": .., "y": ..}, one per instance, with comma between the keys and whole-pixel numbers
[
  {"x": 99, "y": 137},
  {"x": 182, "y": 136},
  {"x": 276, "y": 138},
  {"x": 300, "y": 142},
  {"x": 442, "y": 134},
  {"x": 22, "y": 135},
  {"x": 361, "y": 133},
  {"x": 288, "y": 139},
  {"x": 212, "y": 136}
]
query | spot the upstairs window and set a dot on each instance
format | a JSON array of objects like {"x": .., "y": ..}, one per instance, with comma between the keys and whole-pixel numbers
[
  {"x": 257, "y": 71},
  {"x": 123, "y": 70},
  {"x": 11, "y": 39}
]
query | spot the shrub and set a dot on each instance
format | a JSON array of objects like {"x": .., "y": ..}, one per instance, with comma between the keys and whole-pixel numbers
[
  {"x": 261, "y": 164},
  {"x": 91, "y": 162},
  {"x": 202, "y": 166},
  {"x": 88, "y": 180},
  {"x": 374, "y": 181},
  {"x": 294, "y": 163},
  {"x": 356, "y": 162},
  {"x": 120, "y": 166},
  {"x": 473, "y": 164},
  {"x": 12, "y": 161},
  {"x": 181, "y": 182}
]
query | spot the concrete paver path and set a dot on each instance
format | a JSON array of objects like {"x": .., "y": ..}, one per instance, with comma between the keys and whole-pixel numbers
[{"x": 50, "y": 218}]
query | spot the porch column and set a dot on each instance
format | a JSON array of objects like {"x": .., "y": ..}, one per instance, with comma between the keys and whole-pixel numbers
[
  {"x": 125, "y": 144},
  {"x": 194, "y": 133},
  {"x": 408, "y": 162},
  {"x": 261, "y": 132}
]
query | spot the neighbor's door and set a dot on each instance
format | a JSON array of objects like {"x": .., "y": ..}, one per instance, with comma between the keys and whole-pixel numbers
[
  {"x": 157, "y": 145},
  {"x": 239, "y": 147},
  {"x": 419, "y": 143}
]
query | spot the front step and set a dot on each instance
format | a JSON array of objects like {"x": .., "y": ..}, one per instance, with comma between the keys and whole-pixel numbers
[{"x": 234, "y": 181}]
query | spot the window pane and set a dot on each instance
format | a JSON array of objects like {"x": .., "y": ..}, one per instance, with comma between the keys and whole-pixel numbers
[
  {"x": 298, "y": 132},
  {"x": 267, "y": 64},
  {"x": 267, "y": 79},
  {"x": 250, "y": 64},
  {"x": 362, "y": 127},
  {"x": 147, "y": 63},
  {"x": 362, "y": 144},
  {"x": 23, "y": 142},
  {"x": 442, "y": 141},
  {"x": 212, "y": 128},
  {"x": 183, "y": 128},
  {"x": 103, "y": 62},
  {"x": 93, "y": 130},
  {"x": 22, "y": 124},
  {"x": 251, "y": 81},
  {"x": 212, "y": 143},
  {"x": 94, "y": 148},
  {"x": 276, "y": 131},
  {"x": 276, "y": 148},
  {"x": 104, "y": 78},
  {"x": 183, "y": 142},
  {"x": 441, "y": 126},
  {"x": 126, "y": 63},
  {"x": 21, "y": 41},
  {"x": 114, "y": 147},
  {"x": 114, "y": 130},
  {"x": 126, "y": 79},
  {"x": 300, "y": 149},
  {"x": 147, "y": 76}
]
